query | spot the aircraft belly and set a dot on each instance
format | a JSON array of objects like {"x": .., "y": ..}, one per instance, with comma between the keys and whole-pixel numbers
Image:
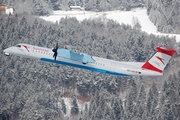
[
  {"x": 132, "y": 69},
  {"x": 86, "y": 66},
  {"x": 119, "y": 69}
]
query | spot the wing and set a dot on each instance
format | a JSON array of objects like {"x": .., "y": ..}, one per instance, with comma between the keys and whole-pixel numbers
[{"x": 80, "y": 57}]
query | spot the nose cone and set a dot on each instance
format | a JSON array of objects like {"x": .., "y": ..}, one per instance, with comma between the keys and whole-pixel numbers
[{"x": 6, "y": 51}]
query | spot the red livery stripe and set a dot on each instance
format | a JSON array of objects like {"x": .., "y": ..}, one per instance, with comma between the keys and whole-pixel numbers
[
  {"x": 26, "y": 47},
  {"x": 167, "y": 51},
  {"x": 161, "y": 59},
  {"x": 148, "y": 66}
]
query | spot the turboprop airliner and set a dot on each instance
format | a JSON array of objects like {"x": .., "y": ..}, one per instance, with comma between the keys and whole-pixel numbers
[{"x": 67, "y": 56}]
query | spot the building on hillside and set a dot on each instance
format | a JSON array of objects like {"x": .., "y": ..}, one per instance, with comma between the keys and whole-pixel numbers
[
  {"x": 76, "y": 8},
  {"x": 4, "y": 9}
]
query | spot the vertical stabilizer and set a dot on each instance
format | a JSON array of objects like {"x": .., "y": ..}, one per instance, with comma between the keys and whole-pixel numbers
[{"x": 159, "y": 61}]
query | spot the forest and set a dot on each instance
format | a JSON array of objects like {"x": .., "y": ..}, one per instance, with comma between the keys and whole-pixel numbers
[
  {"x": 165, "y": 14},
  {"x": 32, "y": 89}
]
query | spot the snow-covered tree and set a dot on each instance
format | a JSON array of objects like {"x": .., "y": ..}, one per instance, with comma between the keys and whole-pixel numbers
[
  {"x": 141, "y": 101},
  {"x": 63, "y": 106},
  {"x": 118, "y": 108},
  {"x": 74, "y": 108}
]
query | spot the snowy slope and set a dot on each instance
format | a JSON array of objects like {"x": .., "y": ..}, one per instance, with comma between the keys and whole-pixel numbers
[
  {"x": 125, "y": 17},
  {"x": 68, "y": 101}
]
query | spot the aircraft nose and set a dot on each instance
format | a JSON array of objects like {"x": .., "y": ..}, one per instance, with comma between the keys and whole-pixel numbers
[{"x": 6, "y": 51}]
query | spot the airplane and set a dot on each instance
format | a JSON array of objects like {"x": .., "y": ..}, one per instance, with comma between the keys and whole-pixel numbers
[{"x": 67, "y": 56}]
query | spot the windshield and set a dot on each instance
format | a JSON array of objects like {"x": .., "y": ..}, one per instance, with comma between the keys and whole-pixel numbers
[{"x": 18, "y": 45}]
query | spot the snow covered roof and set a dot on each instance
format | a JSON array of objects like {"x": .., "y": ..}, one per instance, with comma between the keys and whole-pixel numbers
[
  {"x": 75, "y": 7},
  {"x": 6, "y": 9}
]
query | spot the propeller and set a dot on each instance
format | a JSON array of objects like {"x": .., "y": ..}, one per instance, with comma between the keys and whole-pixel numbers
[{"x": 55, "y": 51}]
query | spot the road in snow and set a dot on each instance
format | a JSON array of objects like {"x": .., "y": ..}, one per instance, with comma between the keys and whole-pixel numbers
[{"x": 125, "y": 17}]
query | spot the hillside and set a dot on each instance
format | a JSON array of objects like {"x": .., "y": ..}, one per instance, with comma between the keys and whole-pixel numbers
[
  {"x": 165, "y": 15},
  {"x": 45, "y": 7},
  {"x": 32, "y": 89},
  {"x": 137, "y": 18}
]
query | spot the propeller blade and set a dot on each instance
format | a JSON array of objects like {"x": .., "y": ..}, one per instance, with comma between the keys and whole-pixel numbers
[
  {"x": 57, "y": 46},
  {"x": 55, "y": 51}
]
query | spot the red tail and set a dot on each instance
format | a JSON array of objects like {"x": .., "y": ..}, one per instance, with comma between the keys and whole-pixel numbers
[{"x": 159, "y": 61}]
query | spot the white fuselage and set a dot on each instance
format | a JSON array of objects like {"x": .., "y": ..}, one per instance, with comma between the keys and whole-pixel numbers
[{"x": 100, "y": 65}]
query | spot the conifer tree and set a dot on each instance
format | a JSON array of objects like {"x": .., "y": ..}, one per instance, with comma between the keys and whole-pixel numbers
[
  {"x": 117, "y": 108},
  {"x": 74, "y": 108},
  {"x": 63, "y": 106},
  {"x": 141, "y": 102}
]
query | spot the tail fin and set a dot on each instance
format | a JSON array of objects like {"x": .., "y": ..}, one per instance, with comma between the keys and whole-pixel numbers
[{"x": 159, "y": 61}]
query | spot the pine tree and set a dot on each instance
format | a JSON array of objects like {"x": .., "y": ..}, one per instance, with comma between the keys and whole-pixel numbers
[
  {"x": 168, "y": 112},
  {"x": 92, "y": 107},
  {"x": 74, "y": 108},
  {"x": 98, "y": 114},
  {"x": 117, "y": 108},
  {"x": 63, "y": 106},
  {"x": 155, "y": 94},
  {"x": 85, "y": 113},
  {"x": 152, "y": 101},
  {"x": 149, "y": 101},
  {"x": 141, "y": 101},
  {"x": 130, "y": 105},
  {"x": 106, "y": 111}
]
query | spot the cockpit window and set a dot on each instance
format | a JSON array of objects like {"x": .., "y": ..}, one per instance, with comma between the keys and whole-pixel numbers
[{"x": 18, "y": 45}]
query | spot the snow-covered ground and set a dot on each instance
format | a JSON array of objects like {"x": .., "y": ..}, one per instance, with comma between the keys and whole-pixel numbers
[
  {"x": 68, "y": 101},
  {"x": 125, "y": 17}
]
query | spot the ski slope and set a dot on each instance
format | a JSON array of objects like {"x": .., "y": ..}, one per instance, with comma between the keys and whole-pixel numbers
[{"x": 125, "y": 17}]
